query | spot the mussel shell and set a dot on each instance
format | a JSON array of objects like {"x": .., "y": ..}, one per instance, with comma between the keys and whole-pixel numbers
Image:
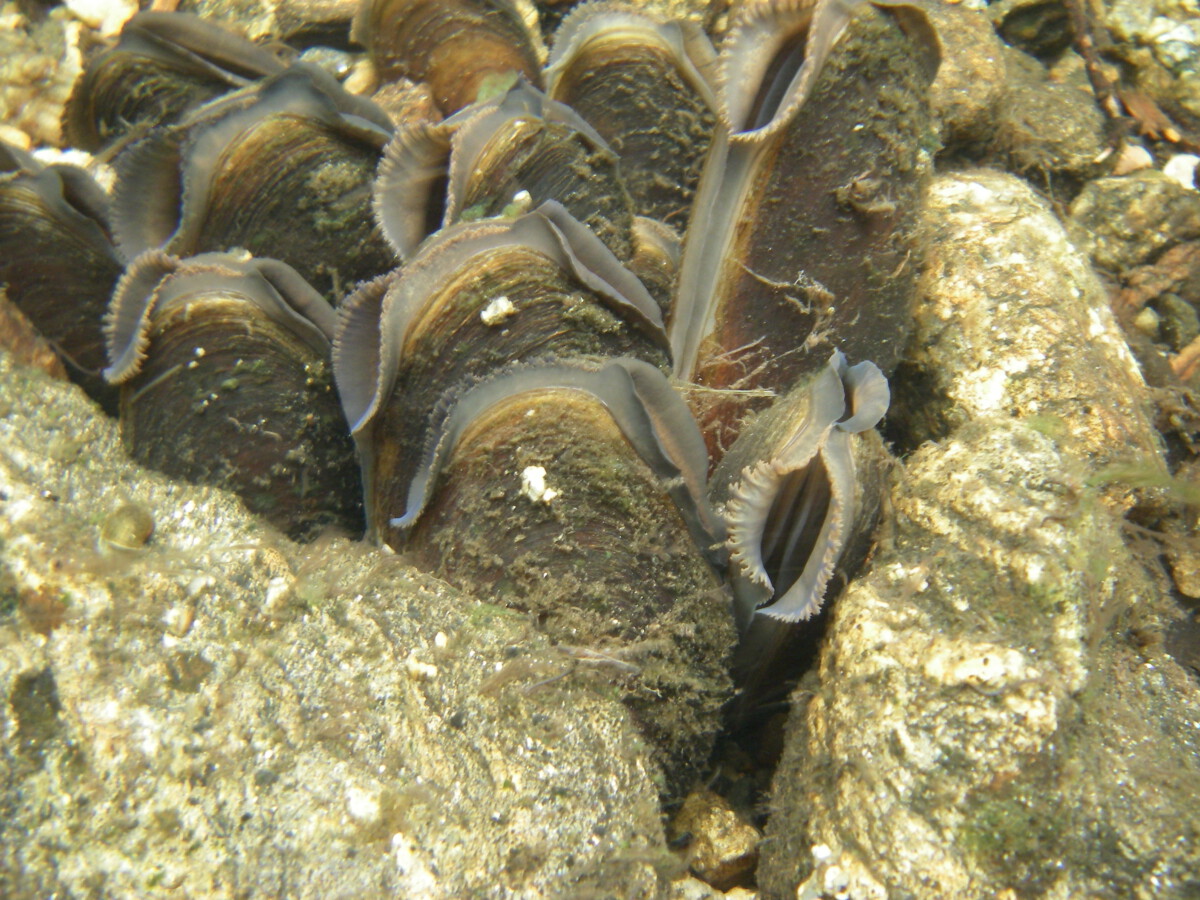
[
  {"x": 793, "y": 490},
  {"x": 459, "y": 47},
  {"x": 474, "y": 165},
  {"x": 601, "y": 554},
  {"x": 163, "y": 65},
  {"x": 645, "y": 86},
  {"x": 811, "y": 215},
  {"x": 477, "y": 298},
  {"x": 801, "y": 493},
  {"x": 226, "y": 381},
  {"x": 58, "y": 262},
  {"x": 282, "y": 170}
]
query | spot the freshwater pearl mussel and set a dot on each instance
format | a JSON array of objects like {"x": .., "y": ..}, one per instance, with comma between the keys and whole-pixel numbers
[{"x": 590, "y": 308}]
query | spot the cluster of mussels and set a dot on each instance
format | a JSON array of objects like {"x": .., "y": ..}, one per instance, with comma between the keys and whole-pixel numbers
[{"x": 572, "y": 335}]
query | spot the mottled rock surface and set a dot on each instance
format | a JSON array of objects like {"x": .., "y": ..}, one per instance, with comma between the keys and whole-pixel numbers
[
  {"x": 1129, "y": 220},
  {"x": 1159, "y": 40},
  {"x": 39, "y": 60},
  {"x": 995, "y": 715},
  {"x": 225, "y": 713},
  {"x": 970, "y": 81}
]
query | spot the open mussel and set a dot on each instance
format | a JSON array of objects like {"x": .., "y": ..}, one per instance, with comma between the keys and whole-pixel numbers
[
  {"x": 57, "y": 260},
  {"x": 223, "y": 362},
  {"x": 478, "y": 297},
  {"x": 809, "y": 200},
  {"x": 575, "y": 491},
  {"x": 518, "y": 148},
  {"x": 800, "y": 494},
  {"x": 794, "y": 488},
  {"x": 281, "y": 169},
  {"x": 510, "y": 499},
  {"x": 163, "y": 65}
]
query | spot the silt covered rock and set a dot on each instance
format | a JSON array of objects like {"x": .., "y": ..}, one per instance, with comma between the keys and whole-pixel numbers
[
  {"x": 191, "y": 705},
  {"x": 994, "y": 714}
]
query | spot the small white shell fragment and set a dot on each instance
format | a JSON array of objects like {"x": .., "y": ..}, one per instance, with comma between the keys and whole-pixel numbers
[
  {"x": 416, "y": 878},
  {"x": 278, "y": 590},
  {"x": 522, "y": 201},
  {"x": 440, "y": 640},
  {"x": 499, "y": 309},
  {"x": 979, "y": 665},
  {"x": 1181, "y": 168},
  {"x": 533, "y": 485}
]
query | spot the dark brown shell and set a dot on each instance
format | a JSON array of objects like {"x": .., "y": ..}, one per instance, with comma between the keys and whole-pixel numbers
[
  {"x": 569, "y": 492},
  {"x": 225, "y": 380},
  {"x": 58, "y": 263},
  {"x": 479, "y": 297},
  {"x": 810, "y": 195},
  {"x": 163, "y": 65},
  {"x": 476, "y": 164},
  {"x": 646, "y": 87},
  {"x": 279, "y": 169}
]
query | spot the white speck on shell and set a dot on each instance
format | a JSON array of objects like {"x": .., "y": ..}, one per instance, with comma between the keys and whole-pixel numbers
[
  {"x": 522, "y": 200},
  {"x": 533, "y": 485},
  {"x": 497, "y": 311}
]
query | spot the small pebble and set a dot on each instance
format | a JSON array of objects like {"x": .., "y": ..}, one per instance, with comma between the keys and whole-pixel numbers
[
  {"x": 1132, "y": 158},
  {"x": 128, "y": 527},
  {"x": 1182, "y": 169}
]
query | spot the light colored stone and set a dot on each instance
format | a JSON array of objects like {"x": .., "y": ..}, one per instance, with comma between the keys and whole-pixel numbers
[
  {"x": 724, "y": 847},
  {"x": 985, "y": 724},
  {"x": 223, "y": 712}
]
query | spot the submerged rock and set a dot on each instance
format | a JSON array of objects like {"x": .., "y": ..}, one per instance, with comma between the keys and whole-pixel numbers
[
  {"x": 995, "y": 714},
  {"x": 210, "y": 710},
  {"x": 1130, "y": 220}
]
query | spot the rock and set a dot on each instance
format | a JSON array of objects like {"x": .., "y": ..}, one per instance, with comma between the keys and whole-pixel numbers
[
  {"x": 39, "y": 60},
  {"x": 971, "y": 78},
  {"x": 723, "y": 848},
  {"x": 223, "y": 712},
  {"x": 1045, "y": 127},
  {"x": 1159, "y": 41},
  {"x": 1012, "y": 322},
  {"x": 995, "y": 712},
  {"x": 262, "y": 20},
  {"x": 1126, "y": 221}
]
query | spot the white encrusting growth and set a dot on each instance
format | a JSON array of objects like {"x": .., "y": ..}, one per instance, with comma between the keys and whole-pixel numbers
[
  {"x": 498, "y": 310},
  {"x": 533, "y": 485}
]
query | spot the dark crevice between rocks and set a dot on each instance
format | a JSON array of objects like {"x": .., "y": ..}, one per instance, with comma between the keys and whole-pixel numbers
[{"x": 919, "y": 412}]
